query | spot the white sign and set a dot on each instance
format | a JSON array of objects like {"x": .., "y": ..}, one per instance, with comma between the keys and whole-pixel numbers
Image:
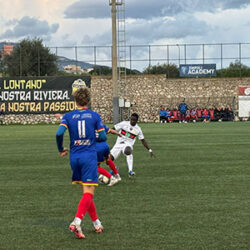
[{"x": 244, "y": 106}]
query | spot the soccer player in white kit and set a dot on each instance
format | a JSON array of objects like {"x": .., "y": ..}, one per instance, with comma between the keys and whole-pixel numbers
[{"x": 129, "y": 131}]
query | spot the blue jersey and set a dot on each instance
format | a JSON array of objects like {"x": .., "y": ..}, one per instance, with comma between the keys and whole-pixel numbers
[
  {"x": 102, "y": 148},
  {"x": 183, "y": 107},
  {"x": 163, "y": 112},
  {"x": 106, "y": 128},
  {"x": 82, "y": 125}
]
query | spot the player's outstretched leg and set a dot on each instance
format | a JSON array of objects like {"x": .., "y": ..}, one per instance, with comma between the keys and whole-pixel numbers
[
  {"x": 77, "y": 230},
  {"x": 104, "y": 172},
  {"x": 114, "y": 169}
]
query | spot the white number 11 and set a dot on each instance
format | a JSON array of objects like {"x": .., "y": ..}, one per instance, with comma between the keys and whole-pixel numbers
[{"x": 81, "y": 129}]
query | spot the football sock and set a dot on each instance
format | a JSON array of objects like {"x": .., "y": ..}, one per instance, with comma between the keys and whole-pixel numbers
[
  {"x": 97, "y": 223},
  {"x": 92, "y": 211},
  {"x": 77, "y": 221},
  {"x": 130, "y": 162},
  {"x": 112, "y": 166},
  {"x": 84, "y": 205},
  {"x": 104, "y": 172}
]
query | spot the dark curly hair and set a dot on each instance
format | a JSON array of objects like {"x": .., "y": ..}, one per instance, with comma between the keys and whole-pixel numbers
[
  {"x": 82, "y": 96},
  {"x": 135, "y": 115}
]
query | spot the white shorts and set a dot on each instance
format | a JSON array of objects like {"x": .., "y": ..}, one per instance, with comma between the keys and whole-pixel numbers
[{"x": 119, "y": 148}]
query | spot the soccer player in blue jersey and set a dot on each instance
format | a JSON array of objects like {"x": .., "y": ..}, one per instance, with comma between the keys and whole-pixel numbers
[
  {"x": 82, "y": 124},
  {"x": 103, "y": 151}
]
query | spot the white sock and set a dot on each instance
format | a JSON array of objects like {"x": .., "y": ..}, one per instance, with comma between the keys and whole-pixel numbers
[
  {"x": 97, "y": 222},
  {"x": 77, "y": 221},
  {"x": 130, "y": 162}
]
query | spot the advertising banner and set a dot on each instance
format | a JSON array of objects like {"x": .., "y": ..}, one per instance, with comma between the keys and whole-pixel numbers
[
  {"x": 197, "y": 70},
  {"x": 37, "y": 95},
  {"x": 244, "y": 90}
]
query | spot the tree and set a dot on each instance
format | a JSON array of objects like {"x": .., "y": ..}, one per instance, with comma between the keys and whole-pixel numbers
[
  {"x": 235, "y": 69},
  {"x": 171, "y": 70},
  {"x": 30, "y": 58}
]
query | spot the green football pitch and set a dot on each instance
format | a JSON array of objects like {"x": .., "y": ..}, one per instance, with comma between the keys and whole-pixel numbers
[{"x": 194, "y": 195}]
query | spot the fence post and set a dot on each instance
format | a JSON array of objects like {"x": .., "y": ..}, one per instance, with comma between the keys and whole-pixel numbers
[
  {"x": 240, "y": 57},
  {"x": 185, "y": 53},
  {"x": 168, "y": 60},
  {"x": 76, "y": 58},
  {"x": 130, "y": 57},
  {"x": 149, "y": 56},
  {"x": 203, "y": 53},
  {"x": 38, "y": 62},
  {"x": 221, "y": 55},
  {"x": 20, "y": 61},
  {"x": 95, "y": 56},
  {"x": 179, "y": 54}
]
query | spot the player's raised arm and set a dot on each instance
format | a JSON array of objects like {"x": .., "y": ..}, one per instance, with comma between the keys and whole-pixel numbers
[{"x": 145, "y": 144}]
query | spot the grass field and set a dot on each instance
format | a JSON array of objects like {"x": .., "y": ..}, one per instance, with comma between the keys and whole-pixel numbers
[{"x": 194, "y": 195}]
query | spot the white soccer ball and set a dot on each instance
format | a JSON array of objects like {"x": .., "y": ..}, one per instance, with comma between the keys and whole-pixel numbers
[{"x": 103, "y": 179}]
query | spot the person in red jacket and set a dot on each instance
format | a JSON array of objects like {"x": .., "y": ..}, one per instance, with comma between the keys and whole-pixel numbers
[
  {"x": 205, "y": 115},
  {"x": 175, "y": 115},
  {"x": 199, "y": 113}
]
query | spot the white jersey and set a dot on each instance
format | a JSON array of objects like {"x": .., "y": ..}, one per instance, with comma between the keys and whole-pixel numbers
[{"x": 128, "y": 132}]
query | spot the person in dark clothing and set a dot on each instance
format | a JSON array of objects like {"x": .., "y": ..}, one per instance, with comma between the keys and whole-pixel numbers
[
  {"x": 223, "y": 114},
  {"x": 230, "y": 114},
  {"x": 217, "y": 115}
]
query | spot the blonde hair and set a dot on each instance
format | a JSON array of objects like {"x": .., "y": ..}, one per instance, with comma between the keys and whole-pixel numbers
[{"x": 82, "y": 96}]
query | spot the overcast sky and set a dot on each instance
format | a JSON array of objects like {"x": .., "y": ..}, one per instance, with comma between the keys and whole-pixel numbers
[{"x": 88, "y": 22}]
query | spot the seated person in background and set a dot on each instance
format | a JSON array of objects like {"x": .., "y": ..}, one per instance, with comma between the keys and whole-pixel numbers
[
  {"x": 169, "y": 115},
  {"x": 199, "y": 114},
  {"x": 163, "y": 115},
  {"x": 223, "y": 114},
  {"x": 205, "y": 115},
  {"x": 188, "y": 115},
  {"x": 175, "y": 115},
  {"x": 211, "y": 113},
  {"x": 230, "y": 113},
  {"x": 193, "y": 115},
  {"x": 217, "y": 116}
]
